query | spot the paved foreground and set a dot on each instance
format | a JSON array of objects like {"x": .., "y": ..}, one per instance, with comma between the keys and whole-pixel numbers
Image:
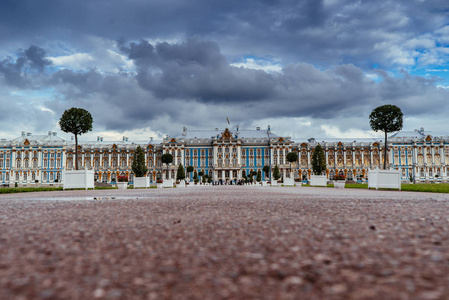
[{"x": 226, "y": 242}]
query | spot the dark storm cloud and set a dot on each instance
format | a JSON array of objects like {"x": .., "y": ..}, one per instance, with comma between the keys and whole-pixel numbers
[
  {"x": 195, "y": 70},
  {"x": 318, "y": 32},
  {"x": 164, "y": 89},
  {"x": 17, "y": 71}
]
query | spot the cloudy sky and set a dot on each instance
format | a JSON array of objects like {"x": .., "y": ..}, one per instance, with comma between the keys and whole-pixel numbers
[{"x": 308, "y": 68}]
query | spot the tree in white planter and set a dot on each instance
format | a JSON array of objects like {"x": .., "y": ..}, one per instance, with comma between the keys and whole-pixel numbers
[
  {"x": 139, "y": 168},
  {"x": 76, "y": 121},
  {"x": 167, "y": 159},
  {"x": 291, "y": 158},
  {"x": 276, "y": 173},
  {"x": 181, "y": 174},
  {"x": 386, "y": 118},
  {"x": 318, "y": 160},
  {"x": 189, "y": 169}
]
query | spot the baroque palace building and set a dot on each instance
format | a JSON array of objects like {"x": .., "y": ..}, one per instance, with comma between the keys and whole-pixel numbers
[{"x": 223, "y": 154}]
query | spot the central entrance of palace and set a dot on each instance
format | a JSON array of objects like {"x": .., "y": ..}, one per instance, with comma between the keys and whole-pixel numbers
[{"x": 227, "y": 174}]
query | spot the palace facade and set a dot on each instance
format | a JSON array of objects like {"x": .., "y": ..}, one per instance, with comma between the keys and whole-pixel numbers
[{"x": 223, "y": 154}]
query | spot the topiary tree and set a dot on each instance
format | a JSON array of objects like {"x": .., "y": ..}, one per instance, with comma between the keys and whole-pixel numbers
[
  {"x": 195, "y": 177},
  {"x": 139, "y": 168},
  {"x": 189, "y": 169},
  {"x": 318, "y": 160},
  {"x": 291, "y": 158},
  {"x": 181, "y": 174},
  {"x": 386, "y": 118},
  {"x": 276, "y": 173},
  {"x": 167, "y": 159},
  {"x": 76, "y": 121},
  {"x": 259, "y": 176},
  {"x": 266, "y": 170}
]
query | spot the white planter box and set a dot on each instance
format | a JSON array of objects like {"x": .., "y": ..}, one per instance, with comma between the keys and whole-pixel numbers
[
  {"x": 78, "y": 179},
  {"x": 167, "y": 183},
  {"x": 122, "y": 185},
  {"x": 141, "y": 182},
  {"x": 318, "y": 180},
  {"x": 289, "y": 182},
  {"x": 160, "y": 185},
  {"x": 274, "y": 183},
  {"x": 182, "y": 183},
  {"x": 298, "y": 184},
  {"x": 264, "y": 183},
  {"x": 388, "y": 179},
  {"x": 339, "y": 184}
]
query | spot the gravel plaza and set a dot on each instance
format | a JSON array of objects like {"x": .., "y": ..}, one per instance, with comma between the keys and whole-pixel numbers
[{"x": 224, "y": 242}]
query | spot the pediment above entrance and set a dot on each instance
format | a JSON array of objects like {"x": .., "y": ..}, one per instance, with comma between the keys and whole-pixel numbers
[{"x": 226, "y": 135}]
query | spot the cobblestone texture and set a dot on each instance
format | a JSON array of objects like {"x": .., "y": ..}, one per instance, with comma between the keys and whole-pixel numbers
[{"x": 224, "y": 242}]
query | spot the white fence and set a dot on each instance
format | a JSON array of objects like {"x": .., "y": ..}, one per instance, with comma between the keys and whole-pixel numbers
[
  {"x": 318, "y": 180},
  {"x": 388, "y": 179},
  {"x": 78, "y": 179}
]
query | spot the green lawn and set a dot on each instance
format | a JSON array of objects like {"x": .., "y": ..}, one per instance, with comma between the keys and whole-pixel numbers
[
  {"x": 420, "y": 187},
  {"x": 40, "y": 189}
]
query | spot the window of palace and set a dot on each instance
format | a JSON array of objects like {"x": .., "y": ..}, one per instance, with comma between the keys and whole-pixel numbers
[
  {"x": 437, "y": 159},
  {"x": 227, "y": 150},
  {"x": 234, "y": 162},
  {"x": 18, "y": 163},
  {"x": 52, "y": 154},
  {"x": 1, "y": 163},
  {"x": 33, "y": 176},
  {"x": 421, "y": 172},
  {"x": 203, "y": 152},
  {"x": 430, "y": 173},
  {"x": 26, "y": 164},
  {"x": 243, "y": 152},
  {"x": 25, "y": 176},
  {"x": 259, "y": 152},
  {"x": 195, "y": 152},
  {"x": 7, "y": 176},
  {"x": 17, "y": 176},
  {"x": 203, "y": 162},
  {"x": 349, "y": 175},
  {"x": 251, "y": 152}
]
